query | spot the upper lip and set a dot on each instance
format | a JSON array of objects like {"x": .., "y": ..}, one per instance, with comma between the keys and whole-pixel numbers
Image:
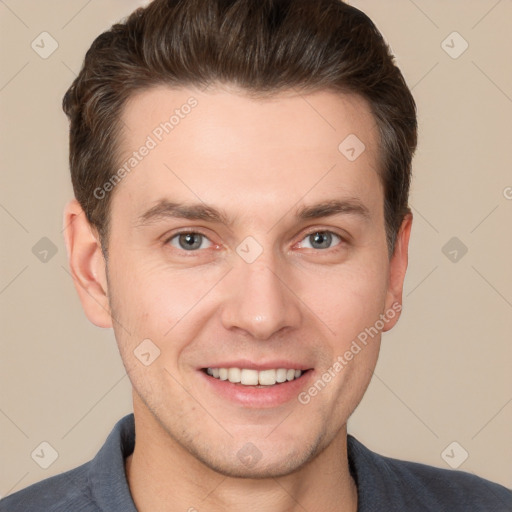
[{"x": 263, "y": 365}]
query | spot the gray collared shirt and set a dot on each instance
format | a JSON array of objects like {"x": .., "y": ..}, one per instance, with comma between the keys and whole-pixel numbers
[{"x": 383, "y": 484}]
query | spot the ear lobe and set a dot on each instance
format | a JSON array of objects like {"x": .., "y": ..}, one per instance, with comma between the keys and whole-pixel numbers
[
  {"x": 87, "y": 264},
  {"x": 397, "y": 269}
]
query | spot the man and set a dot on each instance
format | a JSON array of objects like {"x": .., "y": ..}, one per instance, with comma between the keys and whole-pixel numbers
[{"x": 241, "y": 172}]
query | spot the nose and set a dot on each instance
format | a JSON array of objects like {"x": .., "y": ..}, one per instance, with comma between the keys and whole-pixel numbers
[{"x": 260, "y": 300}]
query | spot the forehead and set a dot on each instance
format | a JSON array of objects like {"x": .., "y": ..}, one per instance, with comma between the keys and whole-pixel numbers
[{"x": 222, "y": 146}]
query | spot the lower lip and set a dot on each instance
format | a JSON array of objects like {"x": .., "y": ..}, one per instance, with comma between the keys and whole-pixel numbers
[{"x": 256, "y": 396}]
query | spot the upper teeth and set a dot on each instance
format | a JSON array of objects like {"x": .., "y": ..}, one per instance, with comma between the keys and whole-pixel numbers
[{"x": 254, "y": 377}]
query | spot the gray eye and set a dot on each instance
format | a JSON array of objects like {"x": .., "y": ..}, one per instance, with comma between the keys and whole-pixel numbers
[
  {"x": 188, "y": 241},
  {"x": 320, "y": 240}
]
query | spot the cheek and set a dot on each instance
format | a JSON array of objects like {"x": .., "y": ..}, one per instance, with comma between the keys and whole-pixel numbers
[
  {"x": 159, "y": 303},
  {"x": 347, "y": 299}
]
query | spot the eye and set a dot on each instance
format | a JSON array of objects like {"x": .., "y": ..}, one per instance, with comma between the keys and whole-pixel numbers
[
  {"x": 320, "y": 240},
  {"x": 189, "y": 241}
]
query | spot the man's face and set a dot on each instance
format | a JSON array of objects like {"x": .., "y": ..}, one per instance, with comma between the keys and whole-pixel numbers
[{"x": 263, "y": 288}]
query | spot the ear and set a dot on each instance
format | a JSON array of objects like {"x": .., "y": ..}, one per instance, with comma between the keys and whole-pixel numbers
[
  {"x": 87, "y": 264},
  {"x": 397, "y": 269}
]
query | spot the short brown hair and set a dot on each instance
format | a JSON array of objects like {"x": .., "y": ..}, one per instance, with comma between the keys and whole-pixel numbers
[{"x": 261, "y": 46}]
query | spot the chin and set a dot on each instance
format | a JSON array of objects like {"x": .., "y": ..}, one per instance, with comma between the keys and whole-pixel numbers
[{"x": 273, "y": 460}]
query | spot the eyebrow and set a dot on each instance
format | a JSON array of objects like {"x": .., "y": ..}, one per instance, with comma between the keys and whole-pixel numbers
[
  {"x": 165, "y": 209},
  {"x": 198, "y": 211},
  {"x": 351, "y": 206}
]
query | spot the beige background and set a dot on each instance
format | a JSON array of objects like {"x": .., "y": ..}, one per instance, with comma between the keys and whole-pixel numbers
[{"x": 444, "y": 371}]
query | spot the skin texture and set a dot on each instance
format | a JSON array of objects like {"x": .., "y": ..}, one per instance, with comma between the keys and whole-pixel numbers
[{"x": 259, "y": 161}]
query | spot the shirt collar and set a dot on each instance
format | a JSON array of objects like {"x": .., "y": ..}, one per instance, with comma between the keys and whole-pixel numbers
[
  {"x": 107, "y": 475},
  {"x": 109, "y": 485}
]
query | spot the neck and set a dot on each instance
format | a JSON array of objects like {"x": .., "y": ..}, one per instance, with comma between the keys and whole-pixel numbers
[{"x": 164, "y": 477}]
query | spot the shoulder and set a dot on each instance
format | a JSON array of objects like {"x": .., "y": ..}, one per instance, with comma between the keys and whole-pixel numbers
[
  {"x": 95, "y": 486},
  {"x": 449, "y": 489},
  {"x": 421, "y": 487},
  {"x": 60, "y": 493}
]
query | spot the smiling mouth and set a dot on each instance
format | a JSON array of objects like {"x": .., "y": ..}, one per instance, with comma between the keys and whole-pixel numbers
[{"x": 255, "y": 378}]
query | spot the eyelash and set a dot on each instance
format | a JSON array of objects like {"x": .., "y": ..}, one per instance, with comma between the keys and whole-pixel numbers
[{"x": 342, "y": 241}]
